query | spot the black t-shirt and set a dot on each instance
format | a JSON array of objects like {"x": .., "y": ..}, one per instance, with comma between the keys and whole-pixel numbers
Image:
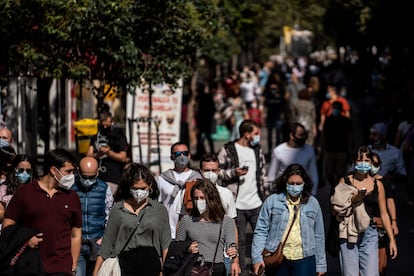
[{"x": 110, "y": 170}]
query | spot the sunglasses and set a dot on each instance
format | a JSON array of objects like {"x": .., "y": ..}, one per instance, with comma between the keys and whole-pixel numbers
[
  {"x": 179, "y": 153},
  {"x": 21, "y": 170},
  {"x": 88, "y": 176}
]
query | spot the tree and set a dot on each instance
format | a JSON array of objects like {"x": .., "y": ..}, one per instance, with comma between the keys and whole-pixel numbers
[{"x": 118, "y": 42}]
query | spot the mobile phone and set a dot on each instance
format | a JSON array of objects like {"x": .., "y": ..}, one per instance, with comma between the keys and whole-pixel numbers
[
  {"x": 363, "y": 191},
  {"x": 245, "y": 168}
]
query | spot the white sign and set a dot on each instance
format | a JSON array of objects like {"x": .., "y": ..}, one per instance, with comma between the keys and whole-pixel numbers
[{"x": 165, "y": 117}]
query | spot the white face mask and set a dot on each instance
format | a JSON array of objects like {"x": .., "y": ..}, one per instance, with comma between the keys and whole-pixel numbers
[
  {"x": 201, "y": 205},
  {"x": 212, "y": 176},
  {"x": 66, "y": 182},
  {"x": 139, "y": 194}
]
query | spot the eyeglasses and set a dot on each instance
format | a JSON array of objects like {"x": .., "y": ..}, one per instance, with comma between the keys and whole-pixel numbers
[
  {"x": 295, "y": 183},
  {"x": 88, "y": 176},
  {"x": 21, "y": 170},
  {"x": 179, "y": 153}
]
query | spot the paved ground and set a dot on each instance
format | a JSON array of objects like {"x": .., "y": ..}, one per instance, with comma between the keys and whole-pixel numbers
[{"x": 403, "y": 265}]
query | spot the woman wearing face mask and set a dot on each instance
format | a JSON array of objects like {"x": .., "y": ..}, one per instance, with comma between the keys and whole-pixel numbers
[
  {"x": 136, "y": 212},
  {"x": 203, "y": 225},
  {"x": 22, "y": 171},
  {"x": 304, "y": 249},
  {"x": 358, "y": 238}
]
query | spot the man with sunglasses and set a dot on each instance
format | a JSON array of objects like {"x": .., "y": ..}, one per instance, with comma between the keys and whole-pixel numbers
[
  {"x": 172, "y": 182},
  {"x": 96, "y": 200}
]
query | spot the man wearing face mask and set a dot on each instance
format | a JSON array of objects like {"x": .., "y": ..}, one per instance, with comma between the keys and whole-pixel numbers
[
  {"x": 243, "y": 172},
  {"x": 294, "y": 151},
  {"x": 109, "y": 147},
  {"x": 53, "y": 210},
  {"x": 96, "y": 200},
  {"x": 172, "y": 183},
  {"x": 209, "y": 168},
  {"x": 327, "y": 106}
]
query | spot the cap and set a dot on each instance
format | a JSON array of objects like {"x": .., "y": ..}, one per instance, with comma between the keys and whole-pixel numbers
[{"x": 379, "y": 128}]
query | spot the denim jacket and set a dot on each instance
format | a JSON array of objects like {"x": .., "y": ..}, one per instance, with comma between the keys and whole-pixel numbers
[{"x": 273, "y": 220}]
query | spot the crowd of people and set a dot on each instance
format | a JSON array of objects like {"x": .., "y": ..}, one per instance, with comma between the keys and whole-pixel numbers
[{"x": 73, "y": 217}]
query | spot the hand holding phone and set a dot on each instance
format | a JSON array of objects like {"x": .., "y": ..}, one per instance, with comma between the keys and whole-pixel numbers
[
  {"x": 245, "y": 168},
  {"x": 362, "y": 192}
]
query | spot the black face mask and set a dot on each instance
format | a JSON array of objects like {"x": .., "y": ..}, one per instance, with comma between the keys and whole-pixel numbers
[
  {"x": 105, "y": 130},
  {"x": 299, "y": 141},
  {"x": 375, "y": 143}
]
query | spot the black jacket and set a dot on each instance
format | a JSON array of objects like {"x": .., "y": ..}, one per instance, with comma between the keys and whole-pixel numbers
[{"x": 12, "y": 238}]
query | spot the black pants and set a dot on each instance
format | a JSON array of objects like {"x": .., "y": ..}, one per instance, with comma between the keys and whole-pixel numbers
[
  {"x": 218, "y": 268},
  {"x": 140, "y": 261}
]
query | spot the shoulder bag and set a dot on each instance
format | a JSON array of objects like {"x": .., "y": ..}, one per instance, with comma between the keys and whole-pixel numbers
[
  {"x": 203, "y": 270},
  {"x": 111, "y": 267},
  {"x": 274, "y": 259}
]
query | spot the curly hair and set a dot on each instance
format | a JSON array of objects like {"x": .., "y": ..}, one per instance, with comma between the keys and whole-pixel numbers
[
  {"x": 214, "y": 206},
  {"x": 134, "y": 173},
  {"x": 279, "y": 185}
]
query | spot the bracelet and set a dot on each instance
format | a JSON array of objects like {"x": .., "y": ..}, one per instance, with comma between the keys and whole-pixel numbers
[
  {"x": 392, "y": 238},
  {"x": 393, "y": 219}
]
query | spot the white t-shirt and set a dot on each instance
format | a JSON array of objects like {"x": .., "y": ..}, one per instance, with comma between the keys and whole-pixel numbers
[
  {"x": 227, "y": 200},
  {"x": 172, "y": 204},
  {"x": 247, "y": 196},
  {"x": 284, "y": 155}
]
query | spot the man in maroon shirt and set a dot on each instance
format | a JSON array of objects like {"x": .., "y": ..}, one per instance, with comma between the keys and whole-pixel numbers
[{"x": 50, "y": 207}]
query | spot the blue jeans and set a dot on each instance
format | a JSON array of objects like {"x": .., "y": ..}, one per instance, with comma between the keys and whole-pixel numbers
[
  {"x": 85, "y": 266},
  {"x": 227, "y": 264},
  {"x": 302, "y": 267},
  {"x": 360, "y": 258}
]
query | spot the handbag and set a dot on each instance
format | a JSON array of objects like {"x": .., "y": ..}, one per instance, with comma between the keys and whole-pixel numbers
[
  {"x": 274, "y": 259},
  {"x": 110, "y": 266},
  {"x": 203, "y": 270}
]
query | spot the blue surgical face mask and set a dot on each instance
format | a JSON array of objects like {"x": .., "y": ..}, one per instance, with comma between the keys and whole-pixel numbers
[
  {"x": 363, "y": 167},
  {"x": 4, "y": 143},
  {"x": 294, "y": 190},
  {"x": 374, "y": 170},
  {"x": 255, "y": 141},
  {"x": 23, "y": 177}
]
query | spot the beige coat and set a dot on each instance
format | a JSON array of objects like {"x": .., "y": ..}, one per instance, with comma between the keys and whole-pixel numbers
[{"x": 353, "y": 218}]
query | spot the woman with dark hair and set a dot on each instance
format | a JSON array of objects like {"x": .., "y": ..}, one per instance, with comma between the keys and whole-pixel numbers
[
  {"x": 22, "y": 171},
  {"x": 203, "y": 225},
  {"x": 291, "y": 209},
  {"x": 358, "y": 198},
  {"x": 138, "y": 231}
]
